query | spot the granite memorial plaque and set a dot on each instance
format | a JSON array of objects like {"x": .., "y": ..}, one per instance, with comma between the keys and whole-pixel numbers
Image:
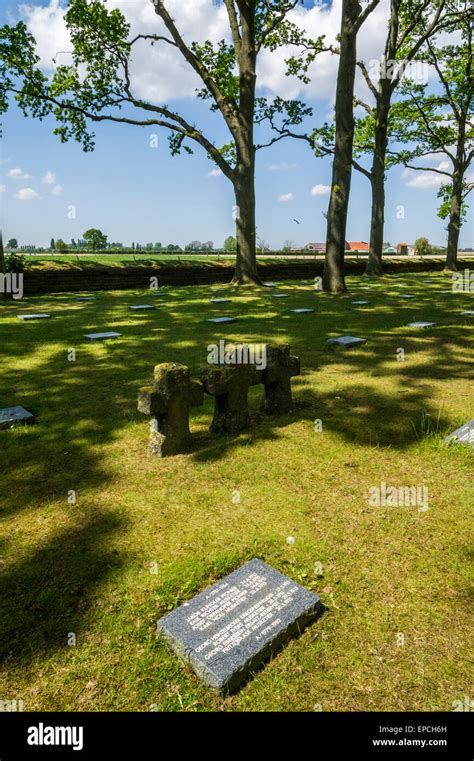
[
  {"x": 279, "y": 295},
  {"x": 142, "y": 308},
  {"x": 463, "y": 435},
  {"x": 101, "y": 336},
  {"x": 222, "y": 319},
  {"x": 347, "y": 341},
  {"x": 86, "y": 298},
  {"x": 301, "y": 311},
  {"x": 421, "y": 324},
  {"x": 468, "y": 313},
  {"x": 28, "y": 317},
  {"x": 360, "y": 303},
  {"x": 220, "y": 301},
  {"x": 406, "y": 296},
  {"x": 270, "y": 285},
  {"x": 231, "y": 628},
  {"x": 10, "y": 416}
]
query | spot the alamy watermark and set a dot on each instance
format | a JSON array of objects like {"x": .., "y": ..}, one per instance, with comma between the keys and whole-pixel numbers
[
  {"x": 463, "y": 281},
  {"x": 12, "y": 283},
  {"x": 399, "y": 496},
  {"x": 237, "y": 354}
]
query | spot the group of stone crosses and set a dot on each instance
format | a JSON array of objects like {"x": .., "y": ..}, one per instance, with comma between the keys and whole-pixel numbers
[{"x": 173, "y": 393}]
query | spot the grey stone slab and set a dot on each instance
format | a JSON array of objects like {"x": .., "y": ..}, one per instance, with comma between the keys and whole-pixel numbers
[
  {"x": 421, "y": 324},
  {"x": 347, "y": 341},
  {"x": 468, "y": 313},
  {"x": 101, "y": 336},
  {"x": 142, "y": 308},
  {"x": 279, "y": 295},
  {"x": 10, "y": 416},
  {"x": 301, "y": 311},
  {"x": 220, "y": 301},
  {"x": 361, "y": 303},
  {"x": 28, "y": 317},
  {"x": 231, "y": 628},
  {"x": 463, "y": 435},
  {"x": 222, "y": 319},
  {"x": 86, "y": 298},
  {"x": 270, "y": 285},
  {"x": 406, "y": 296}
]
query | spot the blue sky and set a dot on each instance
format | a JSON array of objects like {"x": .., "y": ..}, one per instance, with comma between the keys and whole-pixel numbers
[{"x": 137, "y": 193}]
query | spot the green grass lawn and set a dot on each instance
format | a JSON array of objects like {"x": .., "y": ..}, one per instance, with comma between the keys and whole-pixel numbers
[{"x": 146, "y": 534}]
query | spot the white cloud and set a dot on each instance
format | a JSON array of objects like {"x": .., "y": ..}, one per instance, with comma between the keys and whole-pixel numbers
[
  {"x": 26, "y": 194},
  {"x": 286, "y": 197},
  {"x": 57, "y": 190},
  {"x": 424, "y": 178},
  {"x": 320, "y": 190},
  {"x": 49, "y": 178},
  {"x": 281, "y": 167},
  {"x": 214, "y": 173},
  {"x": 160, "y": 74},
  {"x": 2, "y": 188},
  {"x": 18, "y": 174}
]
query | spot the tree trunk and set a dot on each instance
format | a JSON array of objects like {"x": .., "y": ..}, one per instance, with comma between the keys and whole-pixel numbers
[
  {"x": 246, "y": 257},
  {"x": 333, "y": 275},
  {"x": 377, "y": 221},
  {"x": 455, "y": 213},
  {"x": 244, "y": 175}
]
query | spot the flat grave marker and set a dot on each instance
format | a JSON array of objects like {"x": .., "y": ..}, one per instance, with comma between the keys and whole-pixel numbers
[
  {"x": 101, "y": 336},
  {"x": 347, "y": 341},
  {"x": 360, "y": 303},
  {"x": 301, "y": 311},
  {"x": 463, "y": 435},
  {"x": 468, "y": 313},
  {"x": 230, "y": 629},
  {"x": 220, "y": 301},
  {"x": 406, "y": 296},
  {"x": 29, "y": 317},
  {"x": 222, "y": 319},
  {"x": 421, "y": 324},
  {"x": 142, "y": 308},
  {"x": 270, "y": 285},
  {"x": 86, "y": 298},
  {"x": 279, "y": 295},
  {"x": 9, "y": 416}
]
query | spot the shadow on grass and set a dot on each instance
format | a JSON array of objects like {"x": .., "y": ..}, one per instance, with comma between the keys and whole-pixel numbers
[{"x": 44, "y": 596}]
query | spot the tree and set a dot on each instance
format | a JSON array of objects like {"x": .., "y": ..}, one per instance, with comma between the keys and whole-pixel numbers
[
  {"x": 354, "y": 14},
  {"x": 52, "y": 245},
  {"x": 230, "y": 244},
  {"x": 157, "y": 246},
  {"x": 410, "y": 26},
  {"x": 98, "y": 84},
  {"x": 422, "y": 247},
  {"x": 12, "y": 243},
  {"x": 441, "y": 123},
  {"x": 95, "y": 239},
  {"x": 61, "y": 245}
]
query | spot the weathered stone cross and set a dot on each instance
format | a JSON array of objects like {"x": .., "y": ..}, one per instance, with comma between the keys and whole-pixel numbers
[{"x": 168, "y": 401}]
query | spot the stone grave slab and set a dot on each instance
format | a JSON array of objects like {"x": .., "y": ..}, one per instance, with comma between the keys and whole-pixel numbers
[
  {"x": 142, "y": 308},
  {"x": 10, "y": 416},
  {"x": 347, "y": 341},
  {"x": 28, "y": 317},
  {"x": 468, "y": 313},
  {"x": 222, "y": 319},
  {"x": 279, "y": 295},
  {"x": 301, "y": 311},
  {"x": 463, "y": 435},
  {"x": 220, "y": 301},
  {"x": 86, "y": 298},
  {"x": 361, "y": 303},
  {"x": 421, "y": 324},
  {"x": 406, "y": 296},
  {"x": 270, "y": 285},
  {"x": 101, "y": 336},
  {"x": 231, "y": 628}
]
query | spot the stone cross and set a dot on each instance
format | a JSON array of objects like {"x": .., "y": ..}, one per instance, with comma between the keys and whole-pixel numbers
[
  {"x": 281, "y": 367},
  {"x": 168, "y": 402},
  {"x": 229, "y": 386}
]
